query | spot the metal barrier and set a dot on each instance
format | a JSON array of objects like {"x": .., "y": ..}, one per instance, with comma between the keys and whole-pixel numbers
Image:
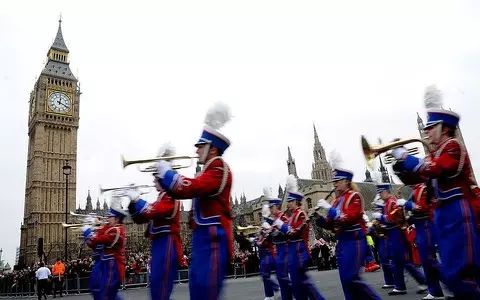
[{"x": 79, "y": 285}]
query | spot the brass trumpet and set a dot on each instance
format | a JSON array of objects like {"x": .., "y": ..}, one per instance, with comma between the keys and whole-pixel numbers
[
  {"x": 85, "y": 216},
  {"x": 389, "y": 159},
  {"x": 248, "y": 230},
  {"x": 371, "y": 152},
  {"x": 151, "y": 160},
  {"x": 127, "y": 187}
]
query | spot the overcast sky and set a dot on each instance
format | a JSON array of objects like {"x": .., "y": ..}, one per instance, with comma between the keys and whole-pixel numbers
[{"x": 149, "y": 70}]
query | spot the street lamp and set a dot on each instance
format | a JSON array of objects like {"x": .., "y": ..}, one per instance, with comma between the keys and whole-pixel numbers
[{"x": 67, "y": 170}]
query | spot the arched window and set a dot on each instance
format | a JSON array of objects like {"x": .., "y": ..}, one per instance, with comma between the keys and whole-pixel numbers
[{"x": 309, "y": 203}]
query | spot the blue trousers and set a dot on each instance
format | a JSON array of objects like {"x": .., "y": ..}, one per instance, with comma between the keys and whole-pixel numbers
[
  {"x": 303, "y": 288},
  {"x": 164, "y": 267},
  {"x": 282, "y": 271},
  {"x": 385, "y": 260},
  {"x": 110, "y": 280},
  {"x": 398, "y": 251},
  {"x": 426, "y": 238},
  {"x": 267, "y": 265},
  {"x": 369, "y": 254},
  {"x": 208, "y": 263},
  {"x": 458, "y": 246},
  {"x": 96, "y": 279},
  {"x": 351, "y": 252}
]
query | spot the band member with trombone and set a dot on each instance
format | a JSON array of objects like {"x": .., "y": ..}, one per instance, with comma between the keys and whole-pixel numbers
[
  {"x": 297, "y": 230},
  {"x": 272, "y": 212},
  {"x": 163, "y": 230},
  {"x": 267, "y": 260},
  {"x": 456, "y": 214},
  {"x": 397, "y": 245},
  {"x": 211, "y": 222},
  {"x": 426, "y": 236},
  {"x": 345, "y": 218},
  {"x": 112, "y": 237}
]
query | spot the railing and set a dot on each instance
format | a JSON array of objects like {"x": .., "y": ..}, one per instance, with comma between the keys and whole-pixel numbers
[{"x": 79, "y": 285}]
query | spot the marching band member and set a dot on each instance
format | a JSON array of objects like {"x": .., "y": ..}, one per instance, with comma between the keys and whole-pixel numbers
[
  {"x": 163, "y": 216},
  {"x": 97, "y": 254},
  {"x": 267, "y": 261},
  {"x": 211, "y": 222},
  {"x": 397, "y": 243},
  {"x": 297, "y": 229},
  {"x": 425, "y": 237},
  {"x": 280, "y": 240},
  {"x": 112, "y": 237},
  {"x": 384, "y": 257},
  {"x": 449, "y": 170},
  {"x": 345, "y": 217}
]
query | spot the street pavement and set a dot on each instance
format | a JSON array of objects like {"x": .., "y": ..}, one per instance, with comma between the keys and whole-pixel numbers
[{"x": 252, "y": 288}]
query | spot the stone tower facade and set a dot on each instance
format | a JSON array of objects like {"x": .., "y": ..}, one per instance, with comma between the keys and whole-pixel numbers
[
  {"x": 292, "y": 168},
  {"x": 52, "y": 141},
  {"x": 321, "y": 169}
]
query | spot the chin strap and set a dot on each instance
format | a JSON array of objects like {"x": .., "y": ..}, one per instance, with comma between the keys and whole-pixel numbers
[{"x": 202, "y": 159}]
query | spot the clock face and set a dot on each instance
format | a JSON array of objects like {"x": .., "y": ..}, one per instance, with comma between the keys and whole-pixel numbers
[{"x": 59, "y": 102}]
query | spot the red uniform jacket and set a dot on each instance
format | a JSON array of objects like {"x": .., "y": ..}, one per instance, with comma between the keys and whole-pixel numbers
[
  {"x": 411, "y": 236},
  {"x": 393, "y": 213},
  {"x": 422, "y": 207},
  {"x": 279, "y": 237},
  {"x": 164, "y": 218},
  {"x": 210, "y": 192},
  {"x": 265, "y": 242},
  {"x": 298, "y": 227},
  {"x": 451, "y": 171},
  {"x": 113, "y": 240},
  {"x": 349, "y": 210}
]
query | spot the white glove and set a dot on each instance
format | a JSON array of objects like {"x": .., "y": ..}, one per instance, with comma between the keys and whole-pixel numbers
[
  {"x": 162, "y": 167},
  {"x": 265, "y": 225},
  {"x": 85, "y": 228},
  {"x": 323, "y": 204},
  {"x": 278, "y": 223},
  {"x": 265, "y": 211},
  {"x": 401, "y": 202},
  {"x": 398, "y": 153},
  {"x": 377, "y": 215},
  {"x": 132, "y": 194},
  {"x": 90, "y": 220}
]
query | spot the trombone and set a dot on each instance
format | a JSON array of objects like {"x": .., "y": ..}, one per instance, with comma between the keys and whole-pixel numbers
[
  {"x": 371, "y": 152},
  {"x": 127, "y": 187},
  {"x": 151, "y": 160}
]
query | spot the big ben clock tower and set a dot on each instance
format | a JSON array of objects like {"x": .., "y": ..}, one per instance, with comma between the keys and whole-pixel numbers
[{"x": 52, "y": 133}]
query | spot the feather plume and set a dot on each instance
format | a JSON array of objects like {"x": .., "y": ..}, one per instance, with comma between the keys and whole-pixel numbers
[
  {"x": 433, "y": 97},
  {"x": 167, "y": 149},
  {"x": 292, "y": 184},
  {"x": 266, "y": 193},
  {"x": 218, "y": 115},
  {"x": 335, "y": 159}
]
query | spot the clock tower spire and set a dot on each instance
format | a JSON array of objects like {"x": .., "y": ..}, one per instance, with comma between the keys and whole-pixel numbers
[{"x": 52, "y": 140}]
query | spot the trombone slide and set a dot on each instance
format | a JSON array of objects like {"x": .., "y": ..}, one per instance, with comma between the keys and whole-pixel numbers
[{"x": 126, "y": 163}]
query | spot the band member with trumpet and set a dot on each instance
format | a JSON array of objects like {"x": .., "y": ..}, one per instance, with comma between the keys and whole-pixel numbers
[
  {"x": 112, "y": 237},
  {"x": 457, "y": 212},
  {"x": 97, "y": 254},
  {"x": 272, "y": 212},
  {"x": 267, "y": 261},
  {"x": 397, "y": 245},
  {"x": 297, "y": 230},
  {"x": 163, "y": 230},
  {"x": 426, "y": 236},
  {"x": 345, "y": 217},
  {"x": 211, "y": 214}
]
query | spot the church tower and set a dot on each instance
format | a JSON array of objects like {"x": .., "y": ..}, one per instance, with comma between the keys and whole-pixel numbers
[
  {"x": 292, "y": 168},
  {"x": 52, "y": 142},
  {"x": 321, "y": 169}
]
